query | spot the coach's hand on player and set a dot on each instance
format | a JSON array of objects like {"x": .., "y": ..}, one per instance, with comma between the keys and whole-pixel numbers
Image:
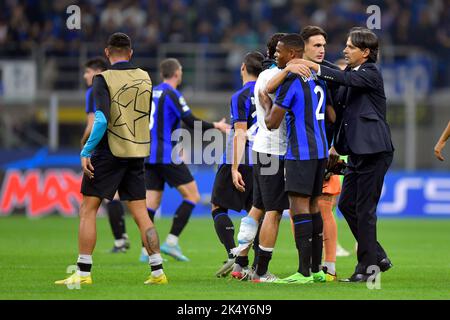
[
  {"x": 87, "y": 167},
  {"x": 438, "y": 149},
  {"x": 237, "y": 180},
  {"x": 222, "y": 126},
  {"x": 300, "y": 67}
]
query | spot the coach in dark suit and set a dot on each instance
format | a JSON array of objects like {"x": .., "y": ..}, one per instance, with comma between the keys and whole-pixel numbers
[{"x": 363, "y": 134}]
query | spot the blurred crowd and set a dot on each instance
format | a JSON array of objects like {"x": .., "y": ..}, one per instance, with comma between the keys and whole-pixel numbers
[{"x": 236, "y": 24}]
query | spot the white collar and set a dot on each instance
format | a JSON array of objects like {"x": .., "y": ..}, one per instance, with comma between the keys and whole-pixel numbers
[{"x": 356, "y": 68}]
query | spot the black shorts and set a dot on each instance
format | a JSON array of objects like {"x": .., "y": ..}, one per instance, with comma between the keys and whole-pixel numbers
[
  {"x": 156, "y": 175},
  {"x": 113, "y": 174},
  {"x": 305, "y": 176},
  {"x": 268, "y": 183},
  {"x": 226, "y": 195}
]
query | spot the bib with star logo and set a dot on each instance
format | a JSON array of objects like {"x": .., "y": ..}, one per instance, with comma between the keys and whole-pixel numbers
[{"x": 130, "y": 91}]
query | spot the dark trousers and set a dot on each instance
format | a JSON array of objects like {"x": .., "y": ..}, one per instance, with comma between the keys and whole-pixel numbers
[{"x": 361, "y": 191}]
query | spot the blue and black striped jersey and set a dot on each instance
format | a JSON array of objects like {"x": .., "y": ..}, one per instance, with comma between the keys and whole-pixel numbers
[
  {"x": 242, "y": 109},
  {"x": 304, "y": 101},
  {"x": 168, "y": 109}
]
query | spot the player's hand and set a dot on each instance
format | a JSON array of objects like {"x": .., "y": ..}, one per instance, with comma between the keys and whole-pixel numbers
[
  {"x": 300, "y": 69},
  {"x": 438, "y": 149},
  {"x": 87, "y": 167},
  {"x": 237, "y": 180},
  {"x": 222, "y": 126},
  {"x": 265, "y": 100},
  {"x": 333, "y": 159}
]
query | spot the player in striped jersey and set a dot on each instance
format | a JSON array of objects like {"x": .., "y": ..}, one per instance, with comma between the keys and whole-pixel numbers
[
  {"x": 233, "y": 184},
  {"x": 169, "y": 108},
  {"x": 302, "y": 101}
]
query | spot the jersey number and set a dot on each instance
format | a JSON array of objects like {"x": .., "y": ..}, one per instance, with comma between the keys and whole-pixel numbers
[{"x": 318, "y": 90}]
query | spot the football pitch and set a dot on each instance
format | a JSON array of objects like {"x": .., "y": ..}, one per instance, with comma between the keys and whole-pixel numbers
[{"x": 35, "y": 253}]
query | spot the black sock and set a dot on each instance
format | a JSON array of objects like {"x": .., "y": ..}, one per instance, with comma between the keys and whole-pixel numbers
[
  {"x": 181, "y": 217},
  {"x": 317, "y": 242},
  {"x": 151, "y": 214},
  {"x": 263, "y": 261},
  {"x": 84, "y": 267},
  {"x": 116, "y": 216},
  {"x": 256, "y": 247},
  {"x": 224, "y": 228},
  {"x": 154, "y": 268},
  {"x": 303, "y": 241},
  {"x": 242, "y": 261}
]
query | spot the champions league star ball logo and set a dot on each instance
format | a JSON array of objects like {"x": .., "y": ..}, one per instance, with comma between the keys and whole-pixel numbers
[{"x": 130, "y": 107}]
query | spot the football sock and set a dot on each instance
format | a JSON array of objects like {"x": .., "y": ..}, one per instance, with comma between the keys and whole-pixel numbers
[
  {"x": 151, "y": 214},
  {"x": 181, "y": 217},
  {"x": 303, "y": 229},
  {"x": 317, "y": 242},
  {"x": 119, "y": 242},
  {"x": 84, "y": 264},
  {"x": 329, "y": 230},
  {"x": 155, "y": 261},
  {"x": 331, "y": 267},
  {"x": 116, "y": 216},
  {"x": 265, "y": 254},
  {"x": 172, "y": 240},
  {"x": 242, "y": 261},
  {"x": 224, "y": 229}
]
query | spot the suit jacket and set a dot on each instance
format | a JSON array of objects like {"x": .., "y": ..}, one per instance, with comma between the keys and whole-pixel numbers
[{"x": 360, "y": 104}]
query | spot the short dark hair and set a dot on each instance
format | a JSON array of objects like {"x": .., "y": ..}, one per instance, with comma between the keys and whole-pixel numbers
[
  {"x": 253, "y": 62},
  {"x": 119, "y": 42},
  {"x": 311, "y": 31},
  {"x": 97, "y": 63},
  {"x": 272, "y": 44},
  {"x": 168, "y": 67},
  {"x": 364, "y": 38},
  {"x": 294, "y": 41}
]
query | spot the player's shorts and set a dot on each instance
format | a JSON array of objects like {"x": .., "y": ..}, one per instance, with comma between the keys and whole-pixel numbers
[
  {"x": 268, "y": 183},
  {"x": 332, "y": 186},
  {"x": 113, "y": 174},
  {"x": 226, "y": 195},
  {"x": 156, "y": 175},
  {"x": 305, "y": 176}
]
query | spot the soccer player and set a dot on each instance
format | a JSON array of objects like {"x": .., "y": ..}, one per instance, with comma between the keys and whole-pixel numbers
[
  {"x": 441, "y": 143},
  {"x": 302, "y": 101},
  {"x": 269, "y": 196},
  {"x": 315, "y": 42},
  {"x": 233, "y": 184},
  {"x": 115, "y": 210},
  {"x": 113, "y": 157},
  {"x": 164, "y": 165}
]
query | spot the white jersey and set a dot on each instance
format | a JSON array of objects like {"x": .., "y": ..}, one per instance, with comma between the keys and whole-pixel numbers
[{"x": 268, "y": 141}]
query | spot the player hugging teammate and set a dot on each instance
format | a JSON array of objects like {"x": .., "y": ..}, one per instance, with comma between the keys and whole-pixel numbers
[{"x": 290, "y": 160}]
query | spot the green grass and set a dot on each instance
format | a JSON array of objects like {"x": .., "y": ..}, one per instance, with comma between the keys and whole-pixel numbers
[{"x": 35, "y": 253}]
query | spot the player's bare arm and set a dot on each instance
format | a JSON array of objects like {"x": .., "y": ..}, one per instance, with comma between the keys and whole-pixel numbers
[
  {"x": 441, "y": 143},
  {"x": 240, "y": 138}
]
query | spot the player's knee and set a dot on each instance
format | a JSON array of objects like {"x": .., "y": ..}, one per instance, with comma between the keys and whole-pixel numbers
[{"x": 193, "y": 197}]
